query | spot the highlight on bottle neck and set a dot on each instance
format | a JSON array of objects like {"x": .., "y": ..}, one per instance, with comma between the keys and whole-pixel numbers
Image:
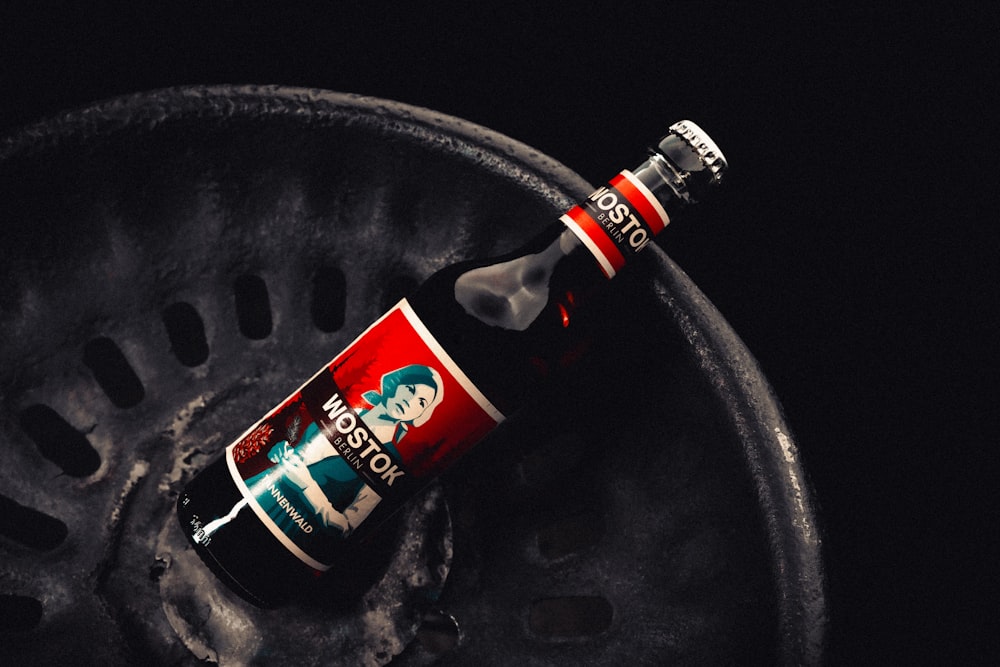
[
  {"x": 694, "y": 162},
  {"x": 618, "y": 220}
]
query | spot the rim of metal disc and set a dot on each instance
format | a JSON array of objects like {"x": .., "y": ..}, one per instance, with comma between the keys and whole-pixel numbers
[
  {"x": 782, "y": 486},
  {"x": 544, "y": 174}
]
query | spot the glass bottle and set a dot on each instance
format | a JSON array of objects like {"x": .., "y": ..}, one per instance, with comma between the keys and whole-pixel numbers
[{"x": 424, "y": 383}]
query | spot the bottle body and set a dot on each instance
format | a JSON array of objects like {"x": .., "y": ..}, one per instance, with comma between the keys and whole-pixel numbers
[
  {"x": 418, "y": 388},
  {"x": 243, "y": 554}
]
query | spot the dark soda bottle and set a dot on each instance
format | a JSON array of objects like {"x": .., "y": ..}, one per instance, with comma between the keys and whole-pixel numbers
[{"x": 305, "y": 484}]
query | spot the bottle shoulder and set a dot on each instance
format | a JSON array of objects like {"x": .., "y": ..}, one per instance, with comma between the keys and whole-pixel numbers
[{"x": 510, "y": 322}]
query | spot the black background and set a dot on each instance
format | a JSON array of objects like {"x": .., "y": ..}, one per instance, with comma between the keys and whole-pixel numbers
[{"x": 855, "y": 252}]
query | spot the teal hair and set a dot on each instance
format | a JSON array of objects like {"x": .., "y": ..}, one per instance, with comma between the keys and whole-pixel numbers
[{"x": 412, "y": 374}]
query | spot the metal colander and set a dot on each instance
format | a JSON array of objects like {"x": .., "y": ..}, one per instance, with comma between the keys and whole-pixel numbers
[{"x": 175, "y": 263}]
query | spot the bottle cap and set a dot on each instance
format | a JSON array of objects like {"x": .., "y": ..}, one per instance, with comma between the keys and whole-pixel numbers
[{"x": 694, "y": 157}]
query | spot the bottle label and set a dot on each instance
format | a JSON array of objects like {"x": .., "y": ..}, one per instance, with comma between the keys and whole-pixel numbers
[
  {"x": 617, "y": 221},
  {"x": 378, "y": 422}
]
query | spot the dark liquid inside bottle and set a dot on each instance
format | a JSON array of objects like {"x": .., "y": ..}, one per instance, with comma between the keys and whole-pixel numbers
[
  {"x": 243, "y": 553},
  {"x": 512, "y": 337},
  {"x": 511, "y": 324},
  {"x": 250, "y": 560},
  {"x": 555, "y": 275}
]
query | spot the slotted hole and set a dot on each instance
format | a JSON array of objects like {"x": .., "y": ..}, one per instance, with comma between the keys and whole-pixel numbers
[
  {"x": 253, "y": 306},
  {"x": 113, "y": 372},
  {"x": 438, "y": 633},
  {"x": 571, "y": 616},
  {"x": 571, "y": 534},
  {"x": 19, "y": 613},
  {"x": 329, "y": 299},
  {"x": 59, "y": 442},
  {"x": 186, "y": 332},
  {"x": 30, "y": 527},
  {"x": 396, "y": 288}
]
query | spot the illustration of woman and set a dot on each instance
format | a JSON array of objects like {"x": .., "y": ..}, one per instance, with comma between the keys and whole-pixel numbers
[
  {"x": 312, "y": 480},
  {"x": 406, "y": 398}
]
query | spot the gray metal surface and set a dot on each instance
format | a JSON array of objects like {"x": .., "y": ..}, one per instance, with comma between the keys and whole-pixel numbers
[{"x": 652, "y": 512}]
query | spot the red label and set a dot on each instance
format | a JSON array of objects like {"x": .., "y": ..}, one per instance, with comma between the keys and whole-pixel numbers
[
  {"x": 384, "y": 417},
  {"x": 617, "y": 221}
]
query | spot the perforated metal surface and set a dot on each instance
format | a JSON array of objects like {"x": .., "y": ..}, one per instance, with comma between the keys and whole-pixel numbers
[{"x": 175, "y": 263}]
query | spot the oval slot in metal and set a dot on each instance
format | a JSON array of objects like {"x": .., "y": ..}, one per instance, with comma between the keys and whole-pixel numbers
[
  {"x": 186, "y": 332},
  {"x": 59, "y": 442},
  {"x": 253, "y": 306},
  {"x": 113, "y": 372},
  {"x": 329, "y": 299},
  {"x": 30, "y": 527}
]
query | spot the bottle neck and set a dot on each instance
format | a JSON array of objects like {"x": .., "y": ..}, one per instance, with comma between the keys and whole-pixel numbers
[
  {"x": 620, "y": 219},
  {"x": 605, "y": 230}
]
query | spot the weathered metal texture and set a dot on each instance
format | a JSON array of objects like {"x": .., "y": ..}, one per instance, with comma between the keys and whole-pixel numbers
[{"x": 174, "y": 263}]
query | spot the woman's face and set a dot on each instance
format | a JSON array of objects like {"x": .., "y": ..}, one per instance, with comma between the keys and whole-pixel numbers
[{"x": 409, "y": 401}]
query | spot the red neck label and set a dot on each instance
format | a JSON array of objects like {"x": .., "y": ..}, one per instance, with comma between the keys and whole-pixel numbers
[{"x": 617, "y": 221}]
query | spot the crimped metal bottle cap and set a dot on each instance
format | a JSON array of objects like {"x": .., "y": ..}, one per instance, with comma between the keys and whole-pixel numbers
[{"x": 695, "y": 158}]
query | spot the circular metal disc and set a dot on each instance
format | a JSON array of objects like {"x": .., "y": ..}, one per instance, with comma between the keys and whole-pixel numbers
[{"x": 175, "y": 263}]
